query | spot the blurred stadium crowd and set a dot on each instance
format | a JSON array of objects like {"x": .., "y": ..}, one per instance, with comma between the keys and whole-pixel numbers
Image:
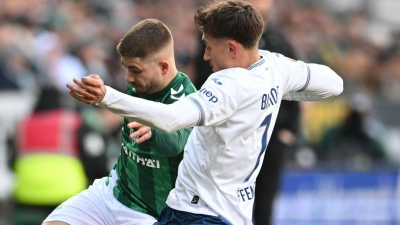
[{"x": 46, "y": 43}]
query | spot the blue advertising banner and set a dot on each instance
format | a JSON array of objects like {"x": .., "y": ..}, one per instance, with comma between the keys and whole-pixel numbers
[{"x": 338, "y": 198}]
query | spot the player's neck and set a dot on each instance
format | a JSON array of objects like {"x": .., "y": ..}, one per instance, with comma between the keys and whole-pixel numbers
[
  {"x": 249, "y": 57},
  {"x": 165, "y": 80},
  {"x": 170, "y": 75}
]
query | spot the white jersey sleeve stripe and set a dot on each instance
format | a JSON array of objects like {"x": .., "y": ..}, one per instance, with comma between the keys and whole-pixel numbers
[
  {"x": 201, "y": 111},
  {"x": 308, "y": 79},
  {"x": 322, "y": 82}
]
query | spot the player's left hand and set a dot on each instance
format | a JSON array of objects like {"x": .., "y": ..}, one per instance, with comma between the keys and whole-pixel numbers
[
  {"x": 142, "y": 131},
  {"x": 90, "y": 89}
]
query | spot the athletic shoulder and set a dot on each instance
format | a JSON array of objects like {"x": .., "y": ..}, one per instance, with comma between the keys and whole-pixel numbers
[
  {"x": 232, "y": 74},
  {"x": 274, "y": 57},
  {"x": 232, "y": 80},
  {"x": 279, "y": 63}
]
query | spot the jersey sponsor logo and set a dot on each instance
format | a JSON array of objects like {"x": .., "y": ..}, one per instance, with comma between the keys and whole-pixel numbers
[
  {"x": 269, "y": 99},
  {"x": 174, "y": 93},
  {"x": 247, "y": 193},
  {"x": 211, "y": 97},
  {"x": 216, "y": 80},
  {"x": 141, "y": 160}
]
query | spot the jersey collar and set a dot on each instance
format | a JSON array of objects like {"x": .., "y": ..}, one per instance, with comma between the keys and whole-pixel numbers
[{"x": 256, "y": 64}]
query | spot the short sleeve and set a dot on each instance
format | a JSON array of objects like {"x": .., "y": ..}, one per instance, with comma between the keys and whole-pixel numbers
[{"x": 296, "y": 74}]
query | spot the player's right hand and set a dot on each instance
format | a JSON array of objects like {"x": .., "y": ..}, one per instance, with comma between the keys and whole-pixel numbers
[
  {"x": 142, "y": 131},
  {"x": 89, "y": 89}
]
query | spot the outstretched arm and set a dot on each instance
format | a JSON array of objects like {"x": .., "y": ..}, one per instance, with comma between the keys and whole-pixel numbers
[
  {"x": 306, "y": 81},
  {"x": 209, "y": 106},
  {"x": 166, "y": 118}
]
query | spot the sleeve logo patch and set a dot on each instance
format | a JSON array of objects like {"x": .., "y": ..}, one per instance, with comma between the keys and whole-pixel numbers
[{"x": 217, "y": 81}]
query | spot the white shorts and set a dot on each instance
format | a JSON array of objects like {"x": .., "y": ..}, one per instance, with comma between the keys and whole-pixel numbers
[{"x": 97, "y": 205}]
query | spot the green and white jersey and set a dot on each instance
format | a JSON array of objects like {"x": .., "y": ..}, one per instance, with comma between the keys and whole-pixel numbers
[{"x": 147, "y": 171}]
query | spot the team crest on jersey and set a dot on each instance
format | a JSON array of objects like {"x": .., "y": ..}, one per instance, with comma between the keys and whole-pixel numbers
[
  {"x": 175, "y": 93},
  {"x": 133, "y": 139}
]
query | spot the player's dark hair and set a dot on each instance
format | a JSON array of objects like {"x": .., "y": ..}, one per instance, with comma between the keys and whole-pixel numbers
[
  {"x": 233, "y": 19},
  {"x": 145, "y": 38}
]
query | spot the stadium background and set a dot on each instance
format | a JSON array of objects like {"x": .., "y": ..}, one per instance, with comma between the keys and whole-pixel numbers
[{"x": 47, "y": 42}]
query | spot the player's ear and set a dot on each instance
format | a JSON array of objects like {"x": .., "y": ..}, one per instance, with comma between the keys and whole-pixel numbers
[
  {"x": 164, "y": 66},
  {"x": 233, "y": 47}
]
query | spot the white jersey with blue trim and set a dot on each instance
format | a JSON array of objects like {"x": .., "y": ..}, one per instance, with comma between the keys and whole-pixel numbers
[
  {"x": 224, "y": 153},
  {"x": 234, "y": 113}
]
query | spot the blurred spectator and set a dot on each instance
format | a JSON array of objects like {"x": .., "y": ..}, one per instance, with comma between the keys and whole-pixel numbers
[
  {"x": 98, "y": 137},
  {"x": 58, "y": 151},
  {"x": 356, "y": 142},
  {"x": 56, "y": 66},
  {"x": 390, "y": 73},
  {"x": 47, "y": 165},
  {"x": 313, "y": 123},
  {"x": 16, "y": 70}
]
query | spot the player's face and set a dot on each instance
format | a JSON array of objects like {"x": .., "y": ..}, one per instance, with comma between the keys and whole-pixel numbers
[
  {"x": 143, "y": 74},
  {"x": 216, "y": 52}
]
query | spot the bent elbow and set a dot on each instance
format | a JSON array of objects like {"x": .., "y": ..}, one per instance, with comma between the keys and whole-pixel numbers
[
  {"x": 338, "y": 87},
  {"x": 334, "y": 82}
]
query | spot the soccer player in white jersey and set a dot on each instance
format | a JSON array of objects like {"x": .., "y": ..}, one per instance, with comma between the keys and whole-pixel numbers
[{"x": 234, "y": 113}]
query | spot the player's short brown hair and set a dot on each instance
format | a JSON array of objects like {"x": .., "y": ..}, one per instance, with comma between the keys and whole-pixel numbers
[
  {"x": 232, "y": 19},
  {"x": 145, "y": 38}
]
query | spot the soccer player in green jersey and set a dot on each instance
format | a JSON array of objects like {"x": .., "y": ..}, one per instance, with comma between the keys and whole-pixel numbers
[{"x": 137, "y": 187}]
